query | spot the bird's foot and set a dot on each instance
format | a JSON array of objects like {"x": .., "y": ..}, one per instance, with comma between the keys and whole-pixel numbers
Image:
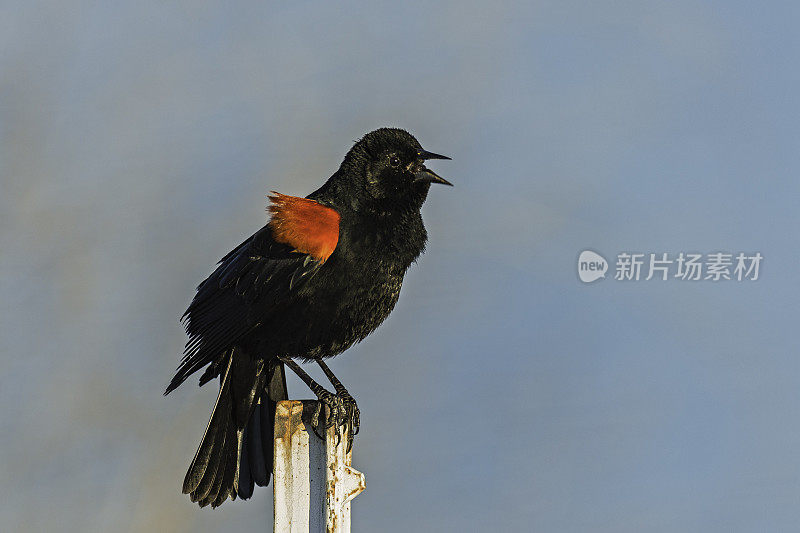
[
  {"x": 352, "y": 417},
  {"x": 331, "y": 407},
  {"x": 339, "y": 411}
]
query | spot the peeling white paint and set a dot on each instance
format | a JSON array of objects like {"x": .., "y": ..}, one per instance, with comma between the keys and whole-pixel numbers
[{"x": 314, "y": 481}]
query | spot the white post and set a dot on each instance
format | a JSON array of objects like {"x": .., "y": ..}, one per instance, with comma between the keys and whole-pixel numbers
[{"x": 313, "y": 481}]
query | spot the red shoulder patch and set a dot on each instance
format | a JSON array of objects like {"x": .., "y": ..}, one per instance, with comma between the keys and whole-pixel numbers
[{"x": 305, "y": 225}]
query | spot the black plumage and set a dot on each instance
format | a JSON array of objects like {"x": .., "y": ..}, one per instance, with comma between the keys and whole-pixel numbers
[{"x": 322, "y": 275}]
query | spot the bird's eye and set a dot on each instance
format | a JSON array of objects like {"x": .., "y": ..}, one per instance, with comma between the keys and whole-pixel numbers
[{"x": 394, "y": 161}]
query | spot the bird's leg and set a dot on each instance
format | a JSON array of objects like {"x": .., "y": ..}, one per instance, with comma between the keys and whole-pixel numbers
[
  {"x": 353, "y": 415},
  {"x": 336, "y": 413}
]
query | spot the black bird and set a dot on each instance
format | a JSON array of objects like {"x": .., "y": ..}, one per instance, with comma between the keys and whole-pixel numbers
[{"x": 323, "y": 273}]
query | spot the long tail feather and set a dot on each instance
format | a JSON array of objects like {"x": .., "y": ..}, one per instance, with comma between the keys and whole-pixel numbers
[{"x": 236, "y": 450}]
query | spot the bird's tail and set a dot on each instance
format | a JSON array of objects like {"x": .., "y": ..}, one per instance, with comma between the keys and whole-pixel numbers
[{"x": 236, "y": 450}]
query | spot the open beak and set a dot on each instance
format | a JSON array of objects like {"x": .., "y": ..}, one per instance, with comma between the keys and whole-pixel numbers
[
  {"x": 429, "y": 176},
  {"x": 425, "y": 174}
]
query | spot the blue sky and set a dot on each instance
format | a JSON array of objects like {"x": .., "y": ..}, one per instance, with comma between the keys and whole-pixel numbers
[{"x": 138, "y": 142}]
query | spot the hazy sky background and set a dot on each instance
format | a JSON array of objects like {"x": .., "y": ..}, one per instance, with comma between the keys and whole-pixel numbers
[{"x": 138, "y": 141}]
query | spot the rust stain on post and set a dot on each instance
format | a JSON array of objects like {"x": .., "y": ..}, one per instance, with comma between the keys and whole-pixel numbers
[
  {"x": 290, "y": 469},
  {"x": 314, "y": 480},
  {"x": 343, "y": 482}
]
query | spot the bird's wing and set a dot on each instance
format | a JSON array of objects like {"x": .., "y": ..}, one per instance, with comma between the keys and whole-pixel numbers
[{"x": 255, "y": 276}]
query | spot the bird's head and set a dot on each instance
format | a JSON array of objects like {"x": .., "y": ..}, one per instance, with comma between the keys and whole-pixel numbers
[{"x": 388, "y": 166}]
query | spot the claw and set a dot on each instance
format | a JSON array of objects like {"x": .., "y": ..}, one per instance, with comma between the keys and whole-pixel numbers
[
  {"x": 340, "y": 412},
  {"x": 356, "y": 421},
  {"x": 315, "y": 416},
  {"x": 315, "y": 420}
]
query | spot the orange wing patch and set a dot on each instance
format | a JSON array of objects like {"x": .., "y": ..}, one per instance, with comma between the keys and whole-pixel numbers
[{"x": 305, "y": 225}]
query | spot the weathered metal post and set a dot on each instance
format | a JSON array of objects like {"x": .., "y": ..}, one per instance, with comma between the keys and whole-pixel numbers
[{"x": 313, "y": 479}]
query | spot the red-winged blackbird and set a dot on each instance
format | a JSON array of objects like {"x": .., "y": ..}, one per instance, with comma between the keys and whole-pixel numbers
[{"x": 323, "y": 273}]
